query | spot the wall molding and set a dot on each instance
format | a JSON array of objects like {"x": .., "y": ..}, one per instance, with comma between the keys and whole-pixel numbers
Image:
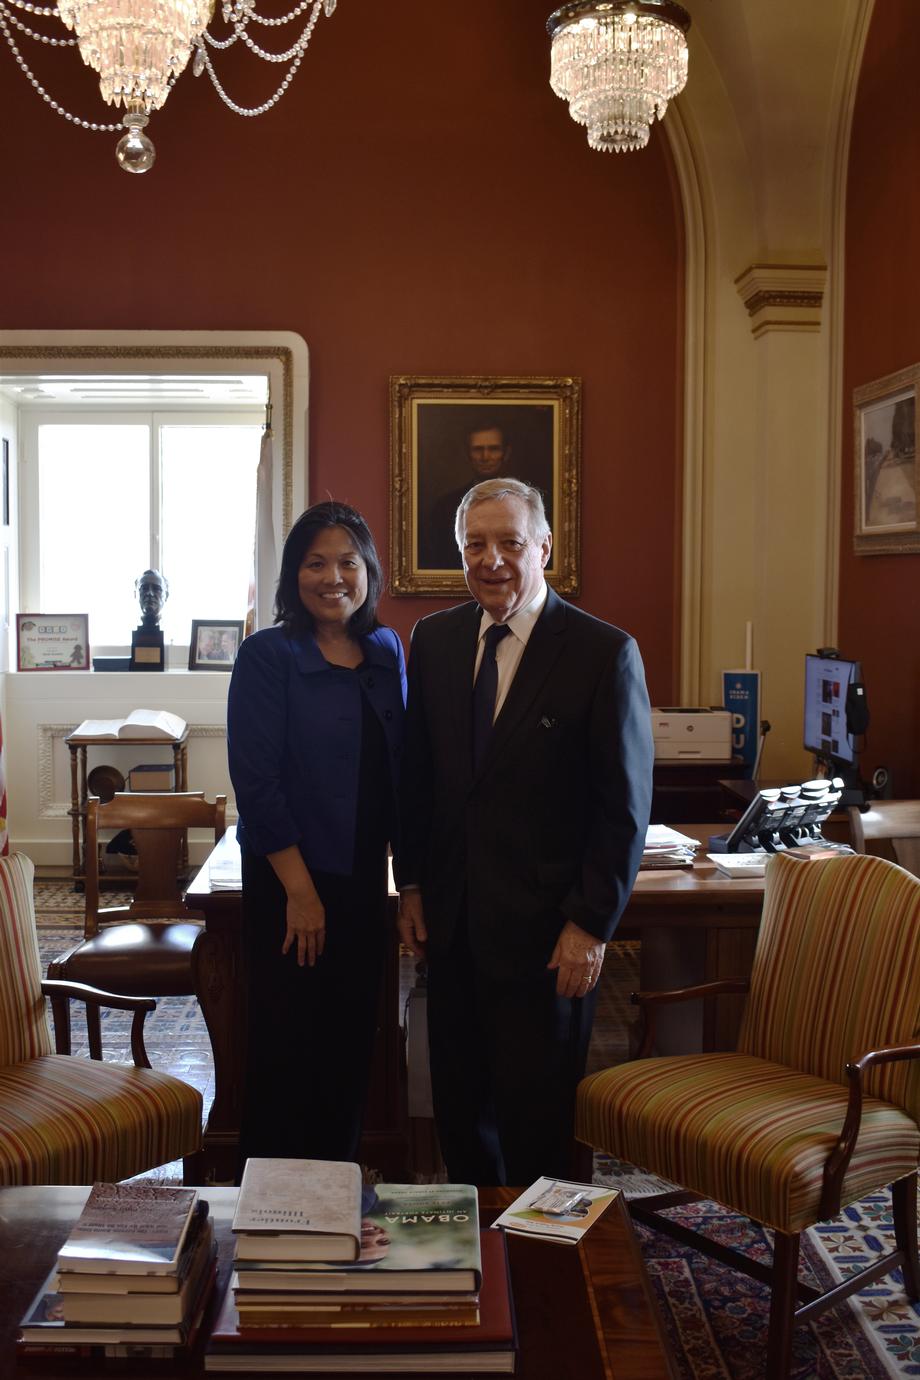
[{"x": 783, "y": 297}]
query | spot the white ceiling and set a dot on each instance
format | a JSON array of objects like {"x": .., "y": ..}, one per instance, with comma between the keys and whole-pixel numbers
[{"x": 135, "y": 390}]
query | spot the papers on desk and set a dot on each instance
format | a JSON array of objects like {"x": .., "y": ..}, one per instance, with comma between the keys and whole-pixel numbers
[
  {"x": 226, "y": 874},
  {"x": 665, "y": 847}
]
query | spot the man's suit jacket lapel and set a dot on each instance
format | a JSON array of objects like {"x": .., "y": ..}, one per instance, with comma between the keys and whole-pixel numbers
[{"x": 544, "y": 647}]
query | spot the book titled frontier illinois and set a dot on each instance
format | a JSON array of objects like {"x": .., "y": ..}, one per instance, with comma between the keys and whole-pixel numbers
[
  {"x": 298, "y": 1210},
  {"x": 129, "y": 1229},
  {"x": 418, "y": 1237}
]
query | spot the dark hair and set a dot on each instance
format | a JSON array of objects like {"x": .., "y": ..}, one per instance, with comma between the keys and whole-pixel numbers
[{"x": 288, "y": 608}]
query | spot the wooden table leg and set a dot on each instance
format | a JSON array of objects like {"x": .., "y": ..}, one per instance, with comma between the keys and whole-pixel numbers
[{"x": 218, "y": 977}]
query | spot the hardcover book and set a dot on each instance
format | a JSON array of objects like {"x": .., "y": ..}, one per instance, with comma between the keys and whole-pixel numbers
[
  {"x": 298, "y": 1210},
  {"x": 129, "y": 1229},
  {"x": 487, "y": 1346},
  {"x": 140, "y": 723},
  {"x": 139, "y": 1307},
  {"x": 43, "y": 1325},
  {"x": 556, "y": 1209},
  {"x": 416, "y": 1237}
]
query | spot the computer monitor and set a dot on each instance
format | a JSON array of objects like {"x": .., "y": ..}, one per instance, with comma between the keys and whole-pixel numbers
[{"x": 829, "y": 730}]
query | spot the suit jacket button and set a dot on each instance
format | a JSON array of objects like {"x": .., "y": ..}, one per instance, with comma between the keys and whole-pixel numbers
[
  {"x": 369, "y": 682},
  {"x": 388, "y": 714}
]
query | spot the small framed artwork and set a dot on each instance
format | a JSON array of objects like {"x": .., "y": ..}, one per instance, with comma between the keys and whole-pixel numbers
[
  {"x": 448, "y": 433},
  {"x": 887, "y": 478},
  {"x": 52, "y": 641},
  {"x": 214, "y": 643}
]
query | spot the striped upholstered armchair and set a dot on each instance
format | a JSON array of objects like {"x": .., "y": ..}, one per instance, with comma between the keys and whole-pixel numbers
[
  {"x": 820, "y": 1104},
  {"x": 68, "y": 1120}
]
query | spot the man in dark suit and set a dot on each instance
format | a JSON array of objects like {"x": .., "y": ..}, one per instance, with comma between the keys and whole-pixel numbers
[{"x": 526, "y": 788}]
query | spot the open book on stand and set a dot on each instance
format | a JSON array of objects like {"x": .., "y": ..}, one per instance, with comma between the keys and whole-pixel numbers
[{"x": 140, "y": 723}]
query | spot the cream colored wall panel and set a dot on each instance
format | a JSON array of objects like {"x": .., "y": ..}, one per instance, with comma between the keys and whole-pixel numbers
[{"x": 41, "y": 708}]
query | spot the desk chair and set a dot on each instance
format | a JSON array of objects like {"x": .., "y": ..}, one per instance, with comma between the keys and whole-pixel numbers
[
  {"x": 821, "y": 1102},
  {"x": 66, "y": 1120},
  {"x": 889, "y": 829},
  {"x": 145, "y": 948}
]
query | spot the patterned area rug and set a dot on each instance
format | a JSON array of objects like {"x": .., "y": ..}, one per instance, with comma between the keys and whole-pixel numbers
[{"x": 716, "y": 1319}]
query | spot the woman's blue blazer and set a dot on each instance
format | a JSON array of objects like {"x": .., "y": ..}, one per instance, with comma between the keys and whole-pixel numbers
[{"x": 294, "y": 741}]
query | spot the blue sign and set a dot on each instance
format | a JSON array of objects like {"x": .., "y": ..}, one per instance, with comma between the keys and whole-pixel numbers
[{"x": 741, "y": 696}]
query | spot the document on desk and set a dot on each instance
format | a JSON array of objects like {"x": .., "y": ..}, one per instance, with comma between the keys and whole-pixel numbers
[
  {"x": 665, "y": 847},
  {"x": 226, "y": 874}
]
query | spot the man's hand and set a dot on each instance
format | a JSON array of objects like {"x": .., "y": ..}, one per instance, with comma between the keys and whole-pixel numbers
[
  {"x": 579, "y": 957},
  {"x": 306, "y": 927},
  {"x": 410, "y": 923}
]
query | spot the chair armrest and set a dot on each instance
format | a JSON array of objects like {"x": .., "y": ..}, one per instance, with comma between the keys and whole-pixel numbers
[
  {"x": 59, "y": 994},
  {"x": 649, "y": 1000},
  {"x": 703, "y": 989},
  {"x": 838, "y": 1160}
]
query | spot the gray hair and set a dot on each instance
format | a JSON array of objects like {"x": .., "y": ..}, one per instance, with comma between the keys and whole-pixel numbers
[{"x": 504, "y": 488}]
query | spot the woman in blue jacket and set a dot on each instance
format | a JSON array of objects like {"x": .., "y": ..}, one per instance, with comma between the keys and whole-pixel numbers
[{"x": 314, "y": 729}]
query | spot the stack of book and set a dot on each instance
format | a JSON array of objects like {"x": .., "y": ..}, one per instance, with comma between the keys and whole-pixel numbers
[
  {"x": 131, "y": 1280},
  {"x": 330, "y": 1277}
]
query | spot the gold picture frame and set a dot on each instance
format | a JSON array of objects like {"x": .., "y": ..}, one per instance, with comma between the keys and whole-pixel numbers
[
  {"x": 447, "y": 432},
  {"x": 886, "y": 511}
]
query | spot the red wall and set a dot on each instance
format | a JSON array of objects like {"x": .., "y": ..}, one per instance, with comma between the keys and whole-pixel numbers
[
  {"x": 880, "y": 595},
  {"x": 418, "y": 202}
]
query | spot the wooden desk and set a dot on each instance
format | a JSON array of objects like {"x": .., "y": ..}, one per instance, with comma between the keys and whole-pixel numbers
[
  {"x": 696, "y": 925},
  {"x": 587, "y": 1312},
  {"x": 221, "y": 991}
]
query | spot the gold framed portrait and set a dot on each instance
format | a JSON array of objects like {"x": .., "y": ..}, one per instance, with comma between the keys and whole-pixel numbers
[
  {"x": 448, "y": 433},
  {"x": 886, "y": 473}
]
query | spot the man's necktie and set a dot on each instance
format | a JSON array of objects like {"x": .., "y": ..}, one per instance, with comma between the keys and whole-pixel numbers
[{"x": 485, "y": 691}]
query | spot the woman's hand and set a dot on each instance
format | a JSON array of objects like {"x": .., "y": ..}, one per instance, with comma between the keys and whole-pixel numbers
[
  {"x": 306, "y": 915},
  {"x": 306, "y": 927}
]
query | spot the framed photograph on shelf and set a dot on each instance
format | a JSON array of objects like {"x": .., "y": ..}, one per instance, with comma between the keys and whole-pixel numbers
[
  {"x": 448, "y": 433},
  {"x": 52, "y": 641},
  {"x": 887, "y": 478},
  {"x": 214, "y": 643}
]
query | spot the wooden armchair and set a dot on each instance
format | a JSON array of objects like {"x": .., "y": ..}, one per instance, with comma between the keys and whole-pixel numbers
[
  {"x": 145, "y": 948},
  {"x": 889, "y": 829},
  {"x": 821, "y": 1103},
  {"x": 66, "y": 1120}
]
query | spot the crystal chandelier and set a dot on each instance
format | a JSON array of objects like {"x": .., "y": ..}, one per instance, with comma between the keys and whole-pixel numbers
[
  {"x": 618, "y": 63},
  {"x": 140, "y": 47}
]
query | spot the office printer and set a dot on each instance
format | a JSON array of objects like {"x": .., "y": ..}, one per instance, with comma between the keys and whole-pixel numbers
[{"x": 684, "y": 734}]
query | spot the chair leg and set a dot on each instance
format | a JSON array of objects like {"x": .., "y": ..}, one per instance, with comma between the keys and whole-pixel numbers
[
  {"x": 93, "y": 1030},
  {"x": 904, "y": 1212},
  {"x": 782, "y": 1304}
]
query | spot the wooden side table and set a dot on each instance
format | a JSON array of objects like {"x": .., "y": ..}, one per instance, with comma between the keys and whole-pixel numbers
[{"x": 79, "y": 792}]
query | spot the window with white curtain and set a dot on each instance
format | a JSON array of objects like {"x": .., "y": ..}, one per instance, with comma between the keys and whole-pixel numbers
[{"x": 105, "y": 495}]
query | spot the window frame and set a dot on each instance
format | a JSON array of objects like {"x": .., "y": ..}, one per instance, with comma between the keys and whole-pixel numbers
[{"x": 33, "y": 416}]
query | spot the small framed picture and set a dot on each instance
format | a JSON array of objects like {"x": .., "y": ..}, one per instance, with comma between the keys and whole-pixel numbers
[
  {"x": 214, "y": 643},
  {"x": 448, "y": 433},
  {"x": 52, "y": 641},
  {"x": 887, "y": 479}
]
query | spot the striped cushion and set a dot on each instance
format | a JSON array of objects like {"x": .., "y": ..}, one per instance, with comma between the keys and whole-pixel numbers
[
  {"x": 23, "y": 1023},
  {"x": 837, "y": 971},
  {"x": 749, "y": 1133},
  {"x": 67, "y": 1120}
]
